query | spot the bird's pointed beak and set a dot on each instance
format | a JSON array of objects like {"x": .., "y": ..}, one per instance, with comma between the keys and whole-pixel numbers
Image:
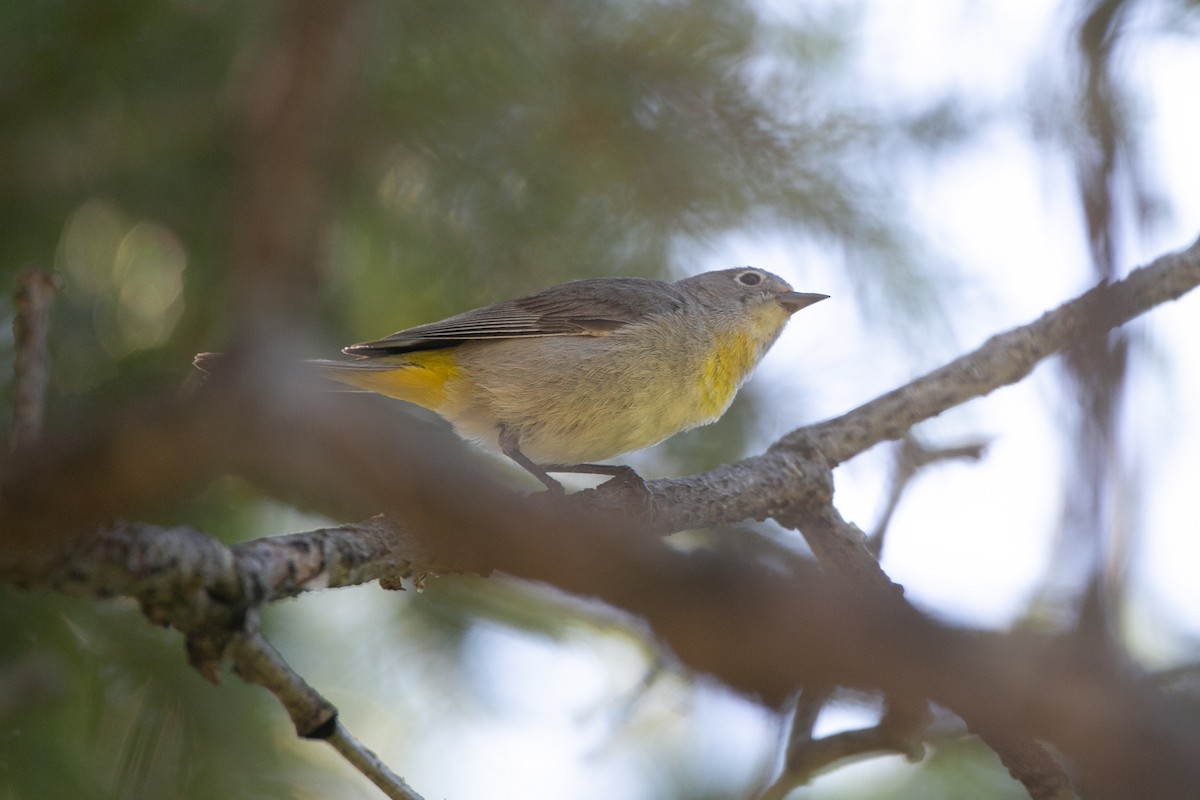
[{"x": 794, "y": 301}]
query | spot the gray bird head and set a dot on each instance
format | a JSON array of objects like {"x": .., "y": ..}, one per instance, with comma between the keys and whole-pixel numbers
[{"x": 737, "y": 288}]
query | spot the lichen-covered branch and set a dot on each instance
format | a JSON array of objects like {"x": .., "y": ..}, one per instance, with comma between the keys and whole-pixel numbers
[{"x": 211, "y": 594}]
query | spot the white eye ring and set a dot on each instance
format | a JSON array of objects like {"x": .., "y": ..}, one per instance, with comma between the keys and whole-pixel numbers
[{"x": 749, "y": 279}]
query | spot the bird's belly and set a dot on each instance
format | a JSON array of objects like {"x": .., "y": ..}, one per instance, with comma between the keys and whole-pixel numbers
[{"x": 580, "y": 400}]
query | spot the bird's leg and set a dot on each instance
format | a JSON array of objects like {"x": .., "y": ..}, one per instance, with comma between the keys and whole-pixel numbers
[
  {"x": 509, "y": 444},
  {"x": 621, "y": 475}
]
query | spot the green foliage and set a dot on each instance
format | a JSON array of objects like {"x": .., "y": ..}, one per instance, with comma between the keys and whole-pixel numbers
[{"x": 112, "y": 712}]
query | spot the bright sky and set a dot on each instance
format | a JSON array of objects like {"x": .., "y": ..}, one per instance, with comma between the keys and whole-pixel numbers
[{"x": 970, "y": 541}]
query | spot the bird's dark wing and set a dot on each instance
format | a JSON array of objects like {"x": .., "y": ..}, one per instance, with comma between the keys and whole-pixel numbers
[{"x": 590, "y": 307}]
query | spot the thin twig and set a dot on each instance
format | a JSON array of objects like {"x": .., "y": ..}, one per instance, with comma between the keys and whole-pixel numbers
[
  {"x": 804, "y": 719},
  {"x": 820, "y": 754},
  {"x": 911, "y": 457},
  {"x": 314, "y": 717},
  {"x": 256, "y": 661},
  {"x": 31, "y": 327},
  {"x": 366, "y": 762},
  {"x": 838, "y": 546},
  {"x": 804, "y": 714}
]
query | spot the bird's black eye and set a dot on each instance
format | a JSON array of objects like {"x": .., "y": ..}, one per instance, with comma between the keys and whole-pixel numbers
[{"x": 749, "y": 279}]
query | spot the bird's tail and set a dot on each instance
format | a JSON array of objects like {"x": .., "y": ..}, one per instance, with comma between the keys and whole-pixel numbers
[{"x": 418, "y": 378}]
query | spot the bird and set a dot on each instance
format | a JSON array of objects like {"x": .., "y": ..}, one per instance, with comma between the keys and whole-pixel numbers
[{"x": 584, "y": 371}]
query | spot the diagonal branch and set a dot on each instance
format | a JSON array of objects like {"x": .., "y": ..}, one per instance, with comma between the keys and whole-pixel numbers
[
  {"x": 1004, "y": 359},
  {"x": 256, "y": 661},
  {"x": 130, "y": 463}
]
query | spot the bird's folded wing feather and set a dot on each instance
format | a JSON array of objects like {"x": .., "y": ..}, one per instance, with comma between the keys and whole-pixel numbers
[{"x": 591, "y": 307}]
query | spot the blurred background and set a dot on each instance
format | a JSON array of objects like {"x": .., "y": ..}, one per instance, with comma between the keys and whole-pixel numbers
[{"x": 945, "y": 170}]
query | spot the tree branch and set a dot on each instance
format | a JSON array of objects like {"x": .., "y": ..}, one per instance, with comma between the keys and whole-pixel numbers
[
  {"x": 187, "y": 580},
  {"x": 1002, "y": 360},
  {"x": 911, "y": 457},
  {"x": 256, "y": 661}
]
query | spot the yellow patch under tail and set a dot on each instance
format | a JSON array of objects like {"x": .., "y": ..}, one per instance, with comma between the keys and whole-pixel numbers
[{"x": 419, "y": 378}]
